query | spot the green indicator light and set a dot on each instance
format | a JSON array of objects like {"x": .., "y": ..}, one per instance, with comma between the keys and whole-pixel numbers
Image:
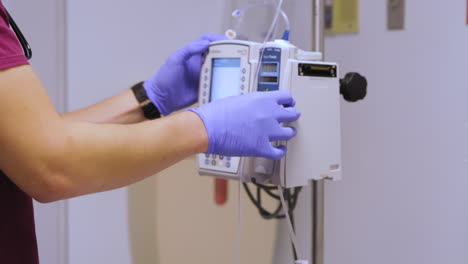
[{"x": 266, "y": 89}]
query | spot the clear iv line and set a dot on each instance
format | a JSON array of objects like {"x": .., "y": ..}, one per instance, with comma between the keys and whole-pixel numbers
[
  {"x": 292, "y": 235},
  {"x": 239, "y": 208},
  {"x": 240, "y": 12},
  {"x": 239, "y": 222},
  {"x": 267, "y": 37},
  {"x": 275, "y": 20}
]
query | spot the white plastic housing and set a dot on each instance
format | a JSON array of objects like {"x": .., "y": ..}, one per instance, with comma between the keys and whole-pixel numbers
[{"x": 315, "y": 153}]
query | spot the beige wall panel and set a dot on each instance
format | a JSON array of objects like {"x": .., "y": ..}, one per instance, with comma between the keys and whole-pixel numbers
[{"x": 174, "y": 220}]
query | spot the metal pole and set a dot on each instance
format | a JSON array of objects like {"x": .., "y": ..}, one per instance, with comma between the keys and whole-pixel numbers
[
  {"x": 318, "y": 187},
  {"x": 317, "y": 202},
  {"x": 318, "y": 10}
]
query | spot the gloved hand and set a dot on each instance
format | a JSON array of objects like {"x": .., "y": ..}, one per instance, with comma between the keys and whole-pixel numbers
[
  {"x": 175, "y": 85},
  {"x": 245, "y": 125}
]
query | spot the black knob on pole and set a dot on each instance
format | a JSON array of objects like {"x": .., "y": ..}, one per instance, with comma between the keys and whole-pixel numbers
[{"x": 353, "y": 87}]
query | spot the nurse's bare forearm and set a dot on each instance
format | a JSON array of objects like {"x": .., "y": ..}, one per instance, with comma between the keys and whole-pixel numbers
[
  {"x": 82, "y": 158},
  {"x": 51, "y": 158},
  {"x": 120, "y": 109},
  {"x": 105, "y": 157}
]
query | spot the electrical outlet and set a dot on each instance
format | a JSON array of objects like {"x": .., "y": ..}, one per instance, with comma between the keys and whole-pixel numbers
[{"x": 396, "y": 14}]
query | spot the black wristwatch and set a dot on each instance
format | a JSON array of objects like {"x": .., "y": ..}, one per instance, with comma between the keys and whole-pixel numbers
[{"x": 150, "y": 111}]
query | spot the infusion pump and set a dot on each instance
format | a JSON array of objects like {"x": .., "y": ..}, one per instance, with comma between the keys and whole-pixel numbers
[{"x": 231, "y": 68}]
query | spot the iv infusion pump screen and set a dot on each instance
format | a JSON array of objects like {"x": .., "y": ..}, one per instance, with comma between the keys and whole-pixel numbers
[{"x": 225, "y": 78}]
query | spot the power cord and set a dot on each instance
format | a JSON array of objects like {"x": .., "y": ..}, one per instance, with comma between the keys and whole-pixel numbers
[{"x": 291, "y": 197}]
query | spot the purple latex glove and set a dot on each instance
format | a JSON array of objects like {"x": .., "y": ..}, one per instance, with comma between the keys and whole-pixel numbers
[
  {"x": 245, "y": 125},
  {"x": 175, "y": 85}
]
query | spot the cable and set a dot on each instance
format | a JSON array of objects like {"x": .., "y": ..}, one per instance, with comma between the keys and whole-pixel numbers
[
  {"x": 23, "y": 41},
  {"x": 277, "y": 213},
  {"x": 291, "y": 216},
  {"x": 258, "y": 204},
  {"x": 267, "y": 190}
]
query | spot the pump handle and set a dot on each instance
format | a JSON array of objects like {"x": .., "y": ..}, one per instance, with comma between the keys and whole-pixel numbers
[{"x": 353, "y": 87}]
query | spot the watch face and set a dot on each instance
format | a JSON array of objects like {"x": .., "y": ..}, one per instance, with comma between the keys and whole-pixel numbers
[
  {"x": 151, "y": 111},
  {"x": 140, "y": 93}
]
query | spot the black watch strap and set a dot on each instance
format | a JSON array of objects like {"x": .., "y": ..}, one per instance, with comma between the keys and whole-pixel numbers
[{"x": 150, "y": 111}]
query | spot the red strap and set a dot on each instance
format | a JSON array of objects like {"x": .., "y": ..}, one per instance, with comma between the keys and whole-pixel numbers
[{"x": 221, "y": 191}]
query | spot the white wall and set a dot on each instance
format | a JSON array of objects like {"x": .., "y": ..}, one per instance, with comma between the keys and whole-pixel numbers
[
  {"x": 112, "y": 45},
  {"x": 403, "y": 197}
]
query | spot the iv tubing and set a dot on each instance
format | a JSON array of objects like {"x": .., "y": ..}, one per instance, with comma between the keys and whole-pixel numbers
[
  {"x": 239, "y": 208},
  {"x": 239, "y": 222},
  {"x": 275, "y": 20},
  {"x": 240, "y": 12},
  {"x": 267, "y": 37},
  {"x": 292, "y": 236}
]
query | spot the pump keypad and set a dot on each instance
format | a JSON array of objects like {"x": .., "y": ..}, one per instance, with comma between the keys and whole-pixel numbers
[{"x": 219, "y": 163}]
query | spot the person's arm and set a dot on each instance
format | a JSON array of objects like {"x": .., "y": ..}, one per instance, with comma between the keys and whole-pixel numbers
[
  {"x": 120, "y": 109},
  {"x": 173, "y": 87},
  {"x": 53, "y": 158}
]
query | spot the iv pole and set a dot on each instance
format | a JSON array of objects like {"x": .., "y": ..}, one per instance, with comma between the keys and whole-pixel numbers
[
  {"x": 317, "y": 187},
  {"x": 353, "y": 87}
]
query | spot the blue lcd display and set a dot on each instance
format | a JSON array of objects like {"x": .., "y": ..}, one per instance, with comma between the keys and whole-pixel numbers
[
  {"x": 269, "y": 75},
  {"x": 225, "y": 78}
]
